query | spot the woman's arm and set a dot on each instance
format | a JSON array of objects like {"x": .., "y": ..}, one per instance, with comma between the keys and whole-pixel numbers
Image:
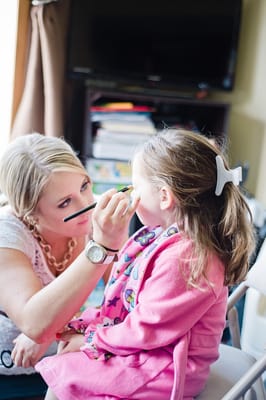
[{"x": 41, "y": 312}]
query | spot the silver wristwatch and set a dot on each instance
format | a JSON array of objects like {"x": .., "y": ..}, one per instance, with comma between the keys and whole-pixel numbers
[{"x": 98, "y": 254}]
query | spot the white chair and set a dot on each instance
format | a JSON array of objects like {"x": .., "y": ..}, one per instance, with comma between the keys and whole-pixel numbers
[
  {"x": 253, "y": 332},
  {"x": 238, "y": 374}
]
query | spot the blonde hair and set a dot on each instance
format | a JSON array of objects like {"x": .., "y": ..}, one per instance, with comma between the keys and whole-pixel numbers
[
  {"x": 185, "y": 161},
  {"x": 26, "y": 166}
]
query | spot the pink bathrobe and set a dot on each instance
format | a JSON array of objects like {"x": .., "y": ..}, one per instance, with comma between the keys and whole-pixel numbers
[{"x": 153, "y": 338}]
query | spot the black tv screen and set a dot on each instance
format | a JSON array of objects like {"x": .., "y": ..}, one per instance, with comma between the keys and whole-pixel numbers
[{"x": 188, "y": 44}]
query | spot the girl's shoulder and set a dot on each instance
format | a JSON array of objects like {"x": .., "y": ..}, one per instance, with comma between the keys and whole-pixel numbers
[{"x": 178, "y": 251}]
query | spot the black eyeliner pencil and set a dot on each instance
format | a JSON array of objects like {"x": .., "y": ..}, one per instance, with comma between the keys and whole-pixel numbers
[{"x": 90, "y": 207}]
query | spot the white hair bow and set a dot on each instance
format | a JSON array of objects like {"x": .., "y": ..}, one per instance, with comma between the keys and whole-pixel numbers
[{"x": 224, "y": 175}]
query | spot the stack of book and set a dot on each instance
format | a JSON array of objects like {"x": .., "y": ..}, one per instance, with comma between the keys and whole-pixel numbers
[
  {"x": 121, "y": 127},
  {"x": 106, "y": 174}
]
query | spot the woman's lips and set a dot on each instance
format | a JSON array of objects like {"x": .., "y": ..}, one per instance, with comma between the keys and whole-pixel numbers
[{"x": 83, "y": 221}]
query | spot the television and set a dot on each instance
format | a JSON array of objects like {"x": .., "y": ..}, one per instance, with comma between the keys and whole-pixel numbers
[{"x": 170, "y": 44}]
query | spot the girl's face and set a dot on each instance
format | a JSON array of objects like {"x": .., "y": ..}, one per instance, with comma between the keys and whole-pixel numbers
[
  {"x": 64, "y": 194},
  {"x": 149, "y": 208}
]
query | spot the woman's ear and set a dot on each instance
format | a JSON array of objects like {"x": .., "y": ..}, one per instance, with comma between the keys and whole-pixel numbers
[{"x": 167, "y": 199}]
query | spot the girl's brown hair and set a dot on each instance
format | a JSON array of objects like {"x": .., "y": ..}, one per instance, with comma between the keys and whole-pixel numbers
[{"x": 186, "y": 162}]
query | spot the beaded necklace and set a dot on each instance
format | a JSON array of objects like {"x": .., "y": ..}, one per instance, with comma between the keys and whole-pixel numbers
[{"x": 47, "y": 249}]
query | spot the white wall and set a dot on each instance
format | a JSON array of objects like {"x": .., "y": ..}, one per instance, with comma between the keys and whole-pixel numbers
[
  {"x": 247, "y": 130},
  {"x": 247, "y": 124},
  {"x": 8, "y": 35}
]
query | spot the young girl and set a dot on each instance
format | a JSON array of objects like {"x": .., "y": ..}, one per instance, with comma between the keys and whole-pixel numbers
[{"x": 163, "y": 315}]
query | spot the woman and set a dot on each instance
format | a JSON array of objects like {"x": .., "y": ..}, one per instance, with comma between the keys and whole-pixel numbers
[{"x": 43, "y": 181}]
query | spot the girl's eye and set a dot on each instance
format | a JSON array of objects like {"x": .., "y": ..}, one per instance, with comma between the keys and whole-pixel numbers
[
  {"x": 84, "y": 186},
  {"x": 65, "y": 203}
]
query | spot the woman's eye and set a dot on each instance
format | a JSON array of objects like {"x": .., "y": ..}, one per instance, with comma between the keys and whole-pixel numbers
[
  {"x": 84, "y": 186},
  {"x": 65, "y": 203}
]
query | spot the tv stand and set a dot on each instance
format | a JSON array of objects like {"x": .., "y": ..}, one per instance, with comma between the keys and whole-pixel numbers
[{"x": 98, "y": 84}]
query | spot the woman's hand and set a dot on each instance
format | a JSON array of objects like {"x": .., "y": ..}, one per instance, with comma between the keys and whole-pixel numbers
[
  {"x": 111, "y": 218},
  {"x": 26, "y": 352}
]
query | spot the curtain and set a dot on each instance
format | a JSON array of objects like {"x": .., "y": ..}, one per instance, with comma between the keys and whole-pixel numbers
[{"x": 42, "y": 104}]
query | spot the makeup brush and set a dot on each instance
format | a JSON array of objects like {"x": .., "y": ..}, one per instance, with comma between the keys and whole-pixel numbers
[{"x": 91, "y": 206}]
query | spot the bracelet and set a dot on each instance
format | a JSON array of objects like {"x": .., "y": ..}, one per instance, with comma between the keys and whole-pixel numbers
[
  {"x": 107, "y": 248},
  {"x": 111, "y": 250}
]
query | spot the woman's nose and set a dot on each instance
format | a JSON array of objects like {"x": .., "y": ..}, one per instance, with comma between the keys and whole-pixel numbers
[{"x": 85, "y": 201}]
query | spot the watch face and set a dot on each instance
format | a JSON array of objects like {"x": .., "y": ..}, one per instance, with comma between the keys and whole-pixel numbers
[{"x": 96, "y": 254}]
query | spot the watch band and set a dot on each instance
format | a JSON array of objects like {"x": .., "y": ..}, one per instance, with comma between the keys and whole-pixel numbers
[{"x": 110, "y": 259}]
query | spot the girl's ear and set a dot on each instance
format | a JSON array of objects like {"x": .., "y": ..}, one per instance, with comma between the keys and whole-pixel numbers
[{"x": 167, "y": 199}]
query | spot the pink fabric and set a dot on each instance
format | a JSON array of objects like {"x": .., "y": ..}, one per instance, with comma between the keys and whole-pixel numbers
[{"x": 152, "y": 331}]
